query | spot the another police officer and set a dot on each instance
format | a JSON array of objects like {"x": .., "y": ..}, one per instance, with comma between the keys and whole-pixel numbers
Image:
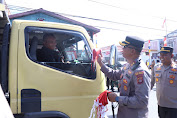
[
  {"x": 165, "y": 76},
  {"x": 134, "y": 80}
]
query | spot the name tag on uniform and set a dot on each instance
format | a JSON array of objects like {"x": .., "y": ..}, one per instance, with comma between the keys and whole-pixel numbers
[
  {"x": 172, "y": 77},
  {"x": 174, "y": 70}
]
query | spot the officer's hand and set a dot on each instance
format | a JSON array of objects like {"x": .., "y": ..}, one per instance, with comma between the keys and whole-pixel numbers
[
  {"x": 112, "y": 96},
  {"x": 99, "y": 60}
]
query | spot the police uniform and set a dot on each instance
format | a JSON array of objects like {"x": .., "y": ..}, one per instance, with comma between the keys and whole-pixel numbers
[
  {"x": 134, "y": 86},
  {"x": 166, "y": 86}
]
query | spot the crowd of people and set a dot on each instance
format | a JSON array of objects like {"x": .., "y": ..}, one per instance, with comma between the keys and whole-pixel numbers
[{"x": 136, "y": 82}]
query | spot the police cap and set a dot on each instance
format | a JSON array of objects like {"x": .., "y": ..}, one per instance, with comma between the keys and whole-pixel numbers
[
  {"x": 166, "y": 50},
  {"x": 134, "y": 41}
]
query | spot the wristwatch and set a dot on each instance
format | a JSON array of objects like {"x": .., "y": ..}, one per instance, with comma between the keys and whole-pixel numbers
[{"x": 117, "y": 99}]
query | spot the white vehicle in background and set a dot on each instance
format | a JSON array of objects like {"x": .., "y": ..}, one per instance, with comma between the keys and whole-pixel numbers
[{"x": 5, "y": 111}]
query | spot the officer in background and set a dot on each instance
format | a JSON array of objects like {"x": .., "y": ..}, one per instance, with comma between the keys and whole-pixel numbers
[
  {"x": 165, "y": 76},
  {"x": 134, "y": 80}
]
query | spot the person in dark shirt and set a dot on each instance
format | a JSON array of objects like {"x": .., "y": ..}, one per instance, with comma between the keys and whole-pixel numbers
[{"x": 48, "y": 52}]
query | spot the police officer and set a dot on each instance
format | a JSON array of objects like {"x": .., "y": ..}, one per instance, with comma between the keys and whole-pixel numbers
[
  {"x": 134, "y": 80},
  {"x": 165, "y": 76}
]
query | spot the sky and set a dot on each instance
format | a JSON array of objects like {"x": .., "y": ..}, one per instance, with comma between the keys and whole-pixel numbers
[{"x": 142, "y": 18}]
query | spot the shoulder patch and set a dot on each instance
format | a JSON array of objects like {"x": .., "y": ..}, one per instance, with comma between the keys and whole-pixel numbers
[
  {"x": 140, "y": 80},
  {"x": 139, "y": 75}
]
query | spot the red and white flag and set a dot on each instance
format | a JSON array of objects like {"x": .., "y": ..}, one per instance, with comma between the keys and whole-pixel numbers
[
  {"x": 164, "y": 23},
  {"x": 99, "y": 106}
]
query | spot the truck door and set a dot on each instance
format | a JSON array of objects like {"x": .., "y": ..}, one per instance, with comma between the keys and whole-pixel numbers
[{"x": 46, "y": 84}]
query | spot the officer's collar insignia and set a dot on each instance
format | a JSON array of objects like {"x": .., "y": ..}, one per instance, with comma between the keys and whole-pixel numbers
[
  {"x": 157, "y": 79},
  {"x": 132, "y": 63},
  {"x": 172, "y": 76},
  {"x": 130, "y": 72},
  {"x": 171, "y": 81},
  {"x": 125, "y": 88},
  {"x": 140, "y": 80},
  {"x": 125, "y": 81},
  {"x": 173, "y": 69}
]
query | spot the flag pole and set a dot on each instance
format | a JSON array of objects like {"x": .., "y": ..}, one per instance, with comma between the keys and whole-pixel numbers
[
  {"x": 165, "y": 39},
  {"x": 149, "y": 46}
]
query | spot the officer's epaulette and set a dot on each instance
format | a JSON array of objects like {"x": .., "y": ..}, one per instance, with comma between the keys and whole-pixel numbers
[
  {"x": 136, "y": 65},
  {"x": 125, "y": 66}
]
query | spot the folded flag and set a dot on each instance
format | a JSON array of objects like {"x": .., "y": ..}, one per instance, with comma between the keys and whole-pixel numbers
[{"x": 100, "y": 105}]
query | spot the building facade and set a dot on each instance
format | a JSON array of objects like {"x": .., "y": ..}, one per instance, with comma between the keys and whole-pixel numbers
[{"x": 172, "y": 41}]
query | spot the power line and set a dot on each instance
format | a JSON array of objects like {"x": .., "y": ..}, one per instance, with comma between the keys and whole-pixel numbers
[
  {"x": 127, "y": 9},
  {"x": 18, "y": 8},
  {"x": 110, "y": 21},
  {"x": 116, "y": 29},
  {"x": 107, "y": 4},
  {"x": 110, "y": 28}
]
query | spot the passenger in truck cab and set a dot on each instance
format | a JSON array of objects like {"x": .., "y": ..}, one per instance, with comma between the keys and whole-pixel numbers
[{"x": 49, "y": 52}]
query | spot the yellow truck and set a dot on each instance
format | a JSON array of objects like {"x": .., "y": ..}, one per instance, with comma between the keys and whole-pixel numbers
[{"x": 36, "y": 89}]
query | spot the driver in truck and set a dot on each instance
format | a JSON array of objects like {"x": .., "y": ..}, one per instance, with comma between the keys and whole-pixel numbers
[{"x": 49, "y": 52}]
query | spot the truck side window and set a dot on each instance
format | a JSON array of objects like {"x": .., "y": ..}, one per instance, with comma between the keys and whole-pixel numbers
[{"x": 66, "y": 51}]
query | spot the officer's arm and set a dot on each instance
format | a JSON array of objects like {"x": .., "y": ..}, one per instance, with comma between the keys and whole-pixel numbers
[
  {"x": 152, "y": 78},
  {"x": 142, "y": 89},
  {"x": 110, "y": 73}
]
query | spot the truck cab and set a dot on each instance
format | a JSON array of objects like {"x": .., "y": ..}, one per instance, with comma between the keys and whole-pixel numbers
[{"x": 36, "y": 88}]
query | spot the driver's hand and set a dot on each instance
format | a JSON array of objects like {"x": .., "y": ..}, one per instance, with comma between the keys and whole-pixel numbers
[{"x": 62, "y": 59}]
